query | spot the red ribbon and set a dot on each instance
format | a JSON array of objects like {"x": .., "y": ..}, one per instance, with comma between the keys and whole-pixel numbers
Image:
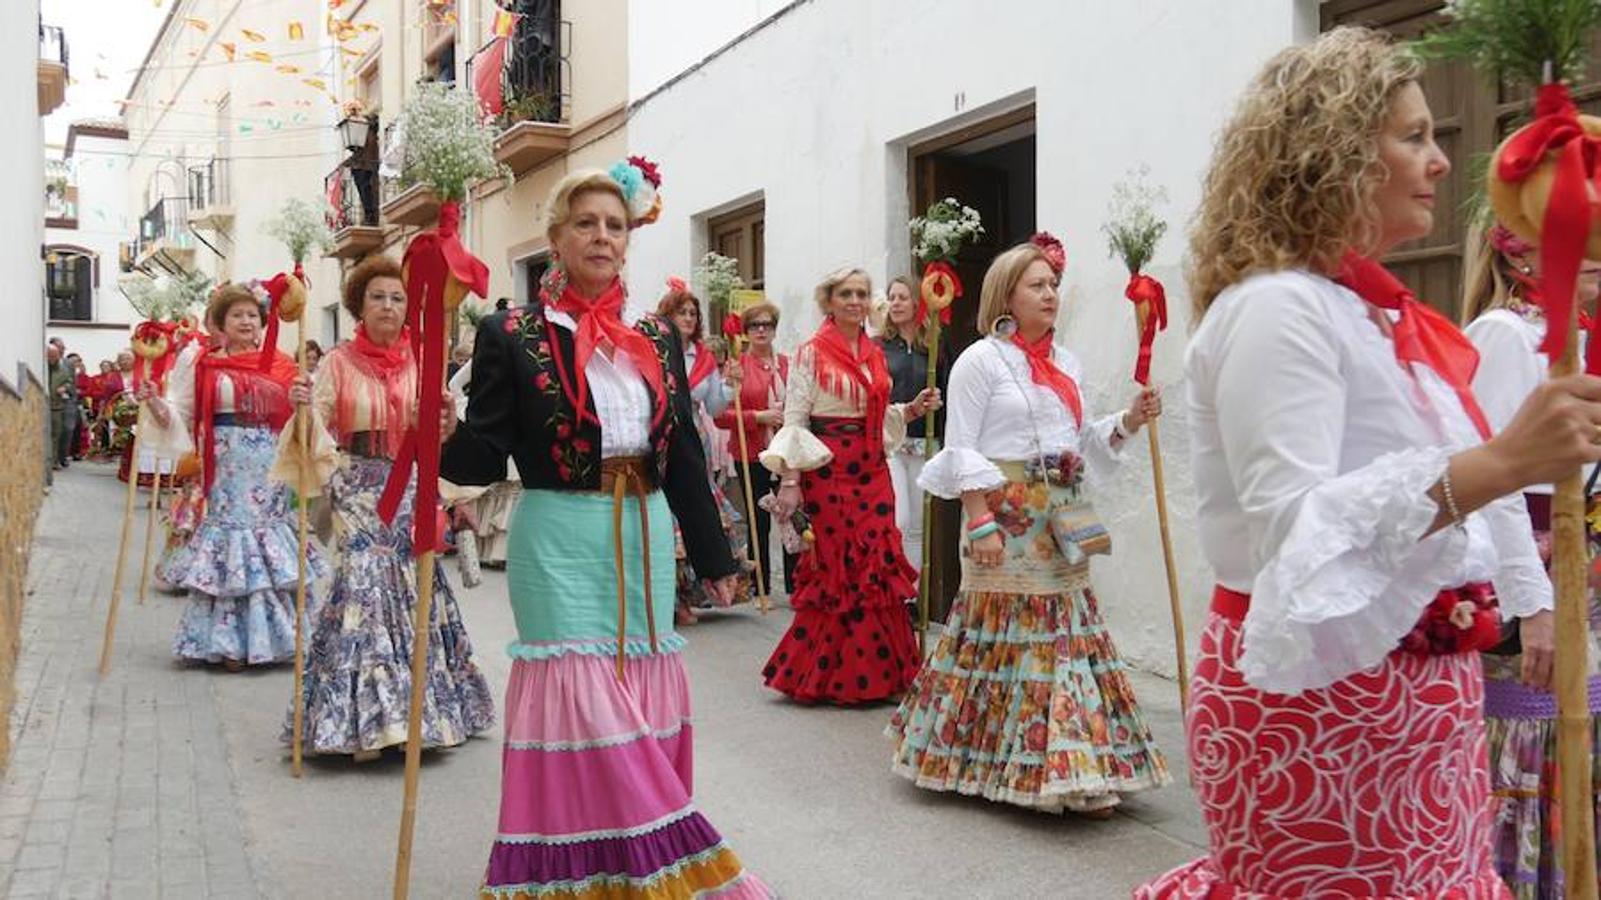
[
  {"x": 1565, "y": 231},
  {"x": 946, "y": 269},
  {"x": 1420, "y": 335},
  {"x": 154, "y": 370},
  {"x": 431, "y": 259},
  {"x": 733, "y": 327},
  {"x": 1145, "y": 289}
]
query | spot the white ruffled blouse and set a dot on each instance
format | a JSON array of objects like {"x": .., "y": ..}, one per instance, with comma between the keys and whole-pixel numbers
[
  {"x": 995, "y": 411},
  {"x": 794, "y": 446},
  {"x": 1313, "y": 454}
]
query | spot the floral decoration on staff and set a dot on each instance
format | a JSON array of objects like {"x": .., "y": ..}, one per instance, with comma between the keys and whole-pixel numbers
[
  {"x": 1132, "y": 232},
  {"x": 938, "y": 235}
]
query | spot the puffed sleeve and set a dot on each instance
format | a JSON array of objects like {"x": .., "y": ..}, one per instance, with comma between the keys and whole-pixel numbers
[
  {"x": 1508, "y": 369},
  {"x": 959, "y": 467},
  {"x": 1097, "y": 439},
  {"x": 794, "y": 446},
  {"x": 175, "y": 439},
  {"x": 322, "y": 454},
  {"x": 1345, "y": 569},
  {"x": 476, "y": 453},
  {"x": 689, "y": 494}
]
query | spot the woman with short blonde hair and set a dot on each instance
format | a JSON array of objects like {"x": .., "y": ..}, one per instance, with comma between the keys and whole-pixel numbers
[
  {"x": 851, "y": 641},
  {"x": 596, "y": 772},
  {"x": 1352, "y": 503}
]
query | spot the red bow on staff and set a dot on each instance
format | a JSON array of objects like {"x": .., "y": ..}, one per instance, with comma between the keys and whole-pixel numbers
[
  {"x": 288, "y": 295},
  {"x": 942, "y": 286},
  {"x": 1145, "y": 289},
  {"x": 152, "y": 364},
  {"x": 733, "y": 327},
  {"x": 1565, "y": 230},
  {"x": 439, "y": 271}
]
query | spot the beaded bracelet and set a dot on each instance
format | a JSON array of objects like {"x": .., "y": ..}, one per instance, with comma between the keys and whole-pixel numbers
[
  {"x": 982, "y": 531},
  {"x": 981, "y": 521}
]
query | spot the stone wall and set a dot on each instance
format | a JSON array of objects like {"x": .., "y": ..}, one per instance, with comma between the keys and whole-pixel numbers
[{"x": 22, "y": 478}]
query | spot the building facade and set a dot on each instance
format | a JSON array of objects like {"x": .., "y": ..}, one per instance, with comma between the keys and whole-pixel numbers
[
  {"x": 800, "y": 137},
  {"x": 86, "y": 222},
  {"x": 228, "y": 118}
]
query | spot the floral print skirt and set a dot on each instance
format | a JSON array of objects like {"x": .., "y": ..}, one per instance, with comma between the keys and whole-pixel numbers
[
  {"x": 358, "y": 665},
  {"x": 242, "y": 563},
  {"x": 1025, "y": 699}
]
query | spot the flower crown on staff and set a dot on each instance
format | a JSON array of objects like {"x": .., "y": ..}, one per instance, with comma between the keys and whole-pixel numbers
[{"x": 641, "y": 182}]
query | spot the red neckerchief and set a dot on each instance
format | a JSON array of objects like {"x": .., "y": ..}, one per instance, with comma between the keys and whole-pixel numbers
[
  {"x": 705, "y": 363},
  {"x": 1045, "y": 373},
  {"x": 261, "y": 390},
  {"x": 839, "y": 371},
  {"x": 1420, "y": 335},
  {"x": 386, "y": 376},
  {"x": 601, "y": 321}
]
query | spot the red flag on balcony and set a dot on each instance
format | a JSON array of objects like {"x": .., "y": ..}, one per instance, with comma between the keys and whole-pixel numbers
[{"x": 486, "y": 77}]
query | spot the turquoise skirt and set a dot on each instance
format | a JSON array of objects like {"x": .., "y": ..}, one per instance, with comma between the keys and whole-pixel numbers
[{"x": 561, "y": 568}]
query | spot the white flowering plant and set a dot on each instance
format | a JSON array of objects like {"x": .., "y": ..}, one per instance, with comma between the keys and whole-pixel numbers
[
  {"x": 300, "y": 227},
  {"x": 940, "y": 233},
  {"x": 718, "y": 278},
  {"x": 167, "y": 298},
  {"x": 1132, "y": 227},
  {"x": 446, "y": 143}
]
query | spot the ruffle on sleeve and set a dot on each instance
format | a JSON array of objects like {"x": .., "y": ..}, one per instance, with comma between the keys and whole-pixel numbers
[
  {"x": 1352, "y": 576},
  {"x": 795, "y": 448},
  {"x": 1101, "y": 453},
  {"x": 322, "y": 458},
  {"x": 956, "y": 470}
]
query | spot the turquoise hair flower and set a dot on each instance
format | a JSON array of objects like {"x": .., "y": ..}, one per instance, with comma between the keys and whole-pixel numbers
[{"x": 628, "y": 178}]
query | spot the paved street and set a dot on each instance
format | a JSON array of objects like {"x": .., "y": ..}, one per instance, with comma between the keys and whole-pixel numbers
[{"x": 167, "y": 781}]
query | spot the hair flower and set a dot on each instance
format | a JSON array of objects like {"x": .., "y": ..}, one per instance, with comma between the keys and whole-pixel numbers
[
  {"x": 1051, "y": 246},
  {"x": 677, "y": 285}
]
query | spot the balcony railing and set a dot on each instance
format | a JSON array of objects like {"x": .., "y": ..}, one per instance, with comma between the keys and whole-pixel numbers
[
  {"x": 53, "y": 45},
  {"x": 536, "y": 78},
  {"x": 166, "y": 221},
  {"x": 348, "y": 205},
  {"x": 208, "y": 185}
]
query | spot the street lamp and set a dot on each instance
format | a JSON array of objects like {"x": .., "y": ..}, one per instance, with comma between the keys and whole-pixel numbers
[{"x": 355, "y": 130}]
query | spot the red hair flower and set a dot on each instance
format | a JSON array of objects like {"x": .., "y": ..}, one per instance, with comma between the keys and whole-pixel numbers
[
  {"x": 1055, "y": 253},
  {"x": 647, "y": 169},
  {"x": 677, "y": 285}
]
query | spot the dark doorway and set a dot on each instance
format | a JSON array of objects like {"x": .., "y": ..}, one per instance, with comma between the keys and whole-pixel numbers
[{"x": 989, "y": 166}]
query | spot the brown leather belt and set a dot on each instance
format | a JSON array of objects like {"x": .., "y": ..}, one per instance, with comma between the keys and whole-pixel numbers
[{"x": 625, "y": 476}]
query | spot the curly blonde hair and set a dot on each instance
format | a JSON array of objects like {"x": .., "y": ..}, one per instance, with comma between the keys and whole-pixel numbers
[{"x": 1294, "y": 172}]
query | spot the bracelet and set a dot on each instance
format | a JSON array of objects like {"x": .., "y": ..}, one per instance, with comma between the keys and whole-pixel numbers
[
  {"x": 1118, "y": 429},
  {"x": 982, "y": 531},
  {"x": 785, "y": 484},
  {"x": 1451, "y": 509},
  {"x": 981, "y": 521}
]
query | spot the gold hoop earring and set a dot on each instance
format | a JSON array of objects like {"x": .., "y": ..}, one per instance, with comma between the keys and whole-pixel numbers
[{"x": 1004, "y": 327}]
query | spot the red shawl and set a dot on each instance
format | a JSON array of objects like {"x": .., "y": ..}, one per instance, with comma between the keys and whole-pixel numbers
[
  {"x": 1042, "y": 369},
  {"x": 600, "y": 322},
  {"x": 705, "y": 364},
  {"x": 382, "y": 381},
  {"x": 1420, "y": 335},
  {"x": 260, "y": 394},
  {"x": 839, "y": 371}
]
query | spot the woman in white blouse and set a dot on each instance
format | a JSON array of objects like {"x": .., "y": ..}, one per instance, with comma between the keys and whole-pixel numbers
[
  {"x": 1347, "y": 490},
  {"x": 1025, "y": 699},
  {"x": 852, "y": 639},
  {"x": 1501, "y": 278}
]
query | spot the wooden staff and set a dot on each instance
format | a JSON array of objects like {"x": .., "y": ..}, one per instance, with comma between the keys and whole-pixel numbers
[
  {"x": 762, "y": 602},
  {"x": 923, "y": 578},
  {"x": 302, "y": 491},
  {"x": 1569, "y": 563},
  {"x": 122, "y": 546},
  {"x": 1141, "y": 311},
  {"x": 150, "y": 532}
]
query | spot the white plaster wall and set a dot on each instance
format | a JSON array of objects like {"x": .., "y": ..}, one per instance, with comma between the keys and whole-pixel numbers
[
  {"x": 664, "y": 39},
  {"x": 814, "y": 114},
  {"x": 268, "y": 165},
  {"x": 100, "y": 171},
  {"x": 22, "y": 305}
]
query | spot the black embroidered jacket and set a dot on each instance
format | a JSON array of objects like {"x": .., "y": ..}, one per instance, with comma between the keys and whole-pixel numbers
[{"x": 518, "y": 407}]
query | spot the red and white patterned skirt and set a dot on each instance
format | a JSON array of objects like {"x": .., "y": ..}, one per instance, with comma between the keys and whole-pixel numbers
[{"x": 1374, "y": 787}]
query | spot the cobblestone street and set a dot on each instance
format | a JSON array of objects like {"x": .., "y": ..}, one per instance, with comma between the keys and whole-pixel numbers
[{"x": 167, "y": 781}]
